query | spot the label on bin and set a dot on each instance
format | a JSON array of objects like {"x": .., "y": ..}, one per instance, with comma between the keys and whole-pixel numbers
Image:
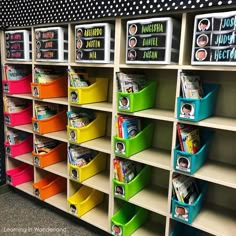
[
  {"x": 36, "y": 161},
  {"x": 8, "y": 150},
  {"x": 37, "y": 192},
  {"x": 187, "y": 110},
  {"x": 9, "y": 179},
  {"x": 120, "y": 147},
  {"x": 183, "y": 163},
  {"x": 72, "y": 135},
  {"x": 119, "y": 191},
  {"x": 36, "y": 126},
  {"x": 5, "y": 88},
  {"x": 35, "y": 91},
  {"x": 181, "y": 212},
  {"x": 124, "y": 103},
  {"x": 7, "y": 119},
  {"x": 74, "y": 96},
  {"x": 116, "y": 229},
  {"x": 73, "y": 209},
  {"x": 74, "y": 174}
]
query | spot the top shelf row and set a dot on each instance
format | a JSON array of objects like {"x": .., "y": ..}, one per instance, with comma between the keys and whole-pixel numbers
[{"x": 162, "y": 40}]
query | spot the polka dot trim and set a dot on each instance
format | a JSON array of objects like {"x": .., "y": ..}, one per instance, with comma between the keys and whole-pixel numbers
[{"x": 28, "y": 12}]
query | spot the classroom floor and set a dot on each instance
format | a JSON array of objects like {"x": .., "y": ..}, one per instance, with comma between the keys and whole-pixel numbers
[{"x": 24, "y": 215}]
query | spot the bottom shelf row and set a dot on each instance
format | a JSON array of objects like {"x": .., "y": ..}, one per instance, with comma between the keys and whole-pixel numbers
[{"x": 131, "y": 216}]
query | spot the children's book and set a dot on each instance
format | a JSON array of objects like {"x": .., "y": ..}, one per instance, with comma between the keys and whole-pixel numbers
[
  {"x": 189, "y": 138},
  {"x": 191, "y": 86},
  {"x": 186, "y": 188}
]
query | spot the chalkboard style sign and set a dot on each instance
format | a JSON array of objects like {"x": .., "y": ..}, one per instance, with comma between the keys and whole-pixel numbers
[
  {"x": 94, "y": 43},
  {"x": 18, "y": 45},
  {"x": 214, "y": 39},
  {"x": 152, "y": 41},
  {"x": 51, "y": 44}
]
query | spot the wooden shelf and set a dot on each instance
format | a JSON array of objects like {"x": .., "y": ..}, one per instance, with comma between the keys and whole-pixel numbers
[
  {"x": 61, "y": 100},
  {"x": 152, "y": 198},
  {"x": 108, "y": 65},
  {"x": 216, "y": 220},
  {"x": 24, "y": 96},
  {"x": 98, "y": 217},
  {"x": 150, "y": 228},
  {"x": 154, "y": 157},
  {"x": 100, "y": 106},
  {"x": 26, "y": 187},
  {"x": 59, "y": 135},
  {"x": 26, "y": 158},
  {"x": 99, "y": 182},
  {"x": 209, "y": 68},
  {"x": 102, "y": 144},
  {"x": 151, "y": 66},
  {"x": 216, "y": 123},
  {"x": 154, "y": 114},
  {"x": 46, "y": 63},
  {"x": 219, "y": 173},
  {"x": 59, "y": 200},
  {"x": 27, "y": 128},
  {"x": 18, "y": 62},
  {"x": 59, "y": 168}
]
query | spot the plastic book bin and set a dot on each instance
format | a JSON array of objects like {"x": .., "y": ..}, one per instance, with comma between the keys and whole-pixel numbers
[
  {"x": 57, "y": 154},
  {"x": 25, "y": 146},
  {"x": 84, "y": 200},
  {"x": 187, "y": 212},
  {"x": 128, "y": 219},
  {"x": 184, "y": 230},
  {"x": 132, "y": 102},
  {"x": 96, "y": 92},
  {"x": 52, "y": 124},
  {"x": 20, "y": 174},
  {"x": 189, "y": 163},
  {"x": 127, "y": 190},
  {"x": 200, "y": 108},
  {"x": 19, "y": 118},
  {"x": 95, "y": 166},
  {"x": 49, "y": 186},
  {"x": 17, "y": 86},
  {"x": 54, "y": 89},
  {"x": 129, "y": 147},
  {"x": 93, "y": 130}
]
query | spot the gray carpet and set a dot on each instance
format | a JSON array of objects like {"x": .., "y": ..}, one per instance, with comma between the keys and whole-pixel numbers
[{"x": 21, "y": 215}]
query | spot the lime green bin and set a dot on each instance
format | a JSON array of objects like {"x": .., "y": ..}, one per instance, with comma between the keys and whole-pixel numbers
[
  {"x": 127, "y": 190},
  {"x": 132, "y": 102},
  {"x": 128, "y": 219},
  {"x": 131, "y": 146}
]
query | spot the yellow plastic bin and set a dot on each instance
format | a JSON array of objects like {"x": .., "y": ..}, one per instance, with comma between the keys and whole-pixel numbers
[
  {"x": 93, "y": 130},
  {"x": 95, "y": 166},
  {"x": 96, "y": 92},
  {"x": 84, "y": 200}
]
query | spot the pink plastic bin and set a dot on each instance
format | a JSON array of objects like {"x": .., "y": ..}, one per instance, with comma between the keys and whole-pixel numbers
[
  {"x": 21, "y": 174},
  {"x": 19, "y": 118},
  {"x": 18, "y": 149},
  {"x": 17, "y": 86}
]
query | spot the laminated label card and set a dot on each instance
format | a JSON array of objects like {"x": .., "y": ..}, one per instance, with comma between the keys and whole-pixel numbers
[
  {"x": 18, "y": 45},
  {"x": 214, "y": 39},
  {"x": 51, "y": 44},
  {"x": 153, "y": 41},
  {"x": 94, "y": 43}
]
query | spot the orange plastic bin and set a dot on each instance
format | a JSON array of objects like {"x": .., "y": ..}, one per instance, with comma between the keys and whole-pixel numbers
[
  {"x": 54, "y": 123},
  {"x": 57, "y": 154},
  {"x": 49, "y": 186},
  {"x": 56, "y": 88}
]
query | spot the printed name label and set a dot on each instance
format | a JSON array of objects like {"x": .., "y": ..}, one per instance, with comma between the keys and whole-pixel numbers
[
  {"x": 44, "y": 35},
  {"x": 15, "y": 54},
  {"x": 90, "y": 32},
  {"x": 14, "y": 36},
  {"x": 47, "y": 44},
  {"x": 49, "y": 54}
]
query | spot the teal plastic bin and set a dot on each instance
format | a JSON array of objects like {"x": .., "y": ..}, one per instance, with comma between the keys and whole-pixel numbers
[
  {"x": 132, "y": 102},
  {"x": 128, "y": 219},
  {"x": 189, "y": 163},
  {"x": 127, "y": 190},
  {"x": 129, "y": 147},
  {"x": 198, "y": 109},
  {"x": 187, "y": 212}
]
